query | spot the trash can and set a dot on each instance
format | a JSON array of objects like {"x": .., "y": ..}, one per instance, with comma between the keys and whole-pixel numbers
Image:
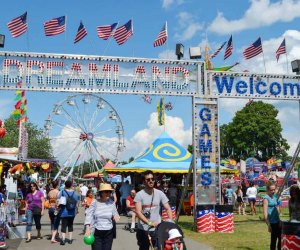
[
  {"x": 290, "y": 235},
  {"x": 205, "y": 218},
  {"x": 224, "y": 218}
]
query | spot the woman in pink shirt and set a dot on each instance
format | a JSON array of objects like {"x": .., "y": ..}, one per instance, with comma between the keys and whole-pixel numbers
[{"x": 34, "y": 210}]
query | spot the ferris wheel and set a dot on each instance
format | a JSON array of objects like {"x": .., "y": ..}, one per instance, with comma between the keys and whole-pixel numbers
[{"x": 84, "y": 130}]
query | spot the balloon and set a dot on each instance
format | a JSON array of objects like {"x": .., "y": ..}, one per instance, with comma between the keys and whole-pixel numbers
[
  {"x": 2, "y": 132},
  {"x": 89, "y": 240}
]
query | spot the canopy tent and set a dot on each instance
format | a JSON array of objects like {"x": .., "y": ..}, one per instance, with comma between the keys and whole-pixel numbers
[{"x": 164, "y": 155}]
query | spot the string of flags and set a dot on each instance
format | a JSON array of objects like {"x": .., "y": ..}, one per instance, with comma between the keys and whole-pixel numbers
[
  {"x": 18, "y": 26},
  {"x": 251, "y": 51},
  {"x": 20, "y": 112}
]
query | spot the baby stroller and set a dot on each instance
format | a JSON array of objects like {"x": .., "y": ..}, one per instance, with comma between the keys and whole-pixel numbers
[{"x": 162, "y": 234}]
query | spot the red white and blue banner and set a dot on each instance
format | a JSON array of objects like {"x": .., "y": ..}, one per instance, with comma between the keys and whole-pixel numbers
[
  {"x": 165, "y": 216},
  {"x": 224, "y": 218},
  {"x": 205, "y": 219}
]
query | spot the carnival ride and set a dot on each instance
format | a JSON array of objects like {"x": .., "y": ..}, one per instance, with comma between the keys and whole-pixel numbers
[{"x": 84, "y": 130}]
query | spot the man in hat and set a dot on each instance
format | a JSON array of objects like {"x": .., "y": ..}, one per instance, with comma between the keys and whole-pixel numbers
[{"x": 148, "y": 203}]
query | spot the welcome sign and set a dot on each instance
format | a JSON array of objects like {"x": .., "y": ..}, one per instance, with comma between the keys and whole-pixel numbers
[{"x": 265, "y": 86}]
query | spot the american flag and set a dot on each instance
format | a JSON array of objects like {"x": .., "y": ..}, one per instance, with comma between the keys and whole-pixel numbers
[
  {"x": 217, "y": 50},
  {"x": 81, "y": 33},
  {"x": 205, "y": 221},
  {"x": 165, "y": 216},
  {"x": 290, "y": 242},
  {"x": 162, "y": 36},
  {"x": 281, "y": 50},
  {"x": 123, "y": 33},
  {"x": 229, "y": 48},
  {"x": 254, "y": 50},
  {"x": 55, "y": 26},
  {"x": 18, "y": 26},
  {"x": 224, "y": 222},
  {"x": 106, "y": 31}
]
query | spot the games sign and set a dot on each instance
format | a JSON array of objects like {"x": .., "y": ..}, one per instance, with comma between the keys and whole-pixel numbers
[{"x": 206, "y": 141}]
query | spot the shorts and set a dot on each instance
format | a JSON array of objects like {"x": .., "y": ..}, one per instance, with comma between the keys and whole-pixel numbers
[
  {"x": 239, "y": 199},
  {"x": 251, "y": 199}
]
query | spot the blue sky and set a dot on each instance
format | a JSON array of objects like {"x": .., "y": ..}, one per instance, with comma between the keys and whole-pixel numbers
[{"x": 190, "y": 22}]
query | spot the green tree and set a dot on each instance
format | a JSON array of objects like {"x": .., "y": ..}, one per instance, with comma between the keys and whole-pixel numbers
[
  {"x": 38, "y": 145},
  {"x": 255, "y": 129}
]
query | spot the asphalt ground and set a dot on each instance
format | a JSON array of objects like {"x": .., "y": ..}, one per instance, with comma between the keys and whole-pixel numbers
[{"x": 124, "y": 241}]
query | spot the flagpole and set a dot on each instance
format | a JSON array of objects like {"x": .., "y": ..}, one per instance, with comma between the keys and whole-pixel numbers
[
  {"x": 287, "y": 62},
  {"x": 66, "y": 34},
  {"x": 110, "y": 39},
  {"x": 27, "y": 35},
  {"x": 264, "y": 61},
  {"x": 167, "y": 40}
]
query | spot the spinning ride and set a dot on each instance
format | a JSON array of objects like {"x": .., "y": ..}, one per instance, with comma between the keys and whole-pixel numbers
[{"x": 84, "y": 130}]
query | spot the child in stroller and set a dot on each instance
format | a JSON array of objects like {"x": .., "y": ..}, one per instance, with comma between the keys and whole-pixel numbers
[{"x": 169, "y": 237}]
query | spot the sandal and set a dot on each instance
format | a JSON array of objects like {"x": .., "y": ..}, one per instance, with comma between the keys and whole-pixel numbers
[{"x": 54, "y": 241}]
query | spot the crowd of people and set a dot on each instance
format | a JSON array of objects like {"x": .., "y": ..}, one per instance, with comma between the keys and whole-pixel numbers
[{"x": 103, "y": 207}]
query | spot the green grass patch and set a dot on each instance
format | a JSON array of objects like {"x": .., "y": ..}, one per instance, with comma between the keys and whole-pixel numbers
[{"x": 250, "y": 233}]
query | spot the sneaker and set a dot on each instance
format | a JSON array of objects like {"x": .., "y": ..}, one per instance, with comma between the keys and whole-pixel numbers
[
  {"x": 70, "y": 241},
  {"x": 62, "y": 242}
]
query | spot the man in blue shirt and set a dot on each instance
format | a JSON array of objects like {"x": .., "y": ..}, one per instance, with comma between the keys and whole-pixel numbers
[{"x": 125, "y": 192}]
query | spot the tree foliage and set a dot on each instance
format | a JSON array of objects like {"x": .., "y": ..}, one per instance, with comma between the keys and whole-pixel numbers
[
  {"x": 38, "y": 145},
  {"x": 254, "y": 131}
]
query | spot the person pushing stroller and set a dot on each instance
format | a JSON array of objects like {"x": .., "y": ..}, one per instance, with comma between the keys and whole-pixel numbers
[{"x": 148, "y": 203}]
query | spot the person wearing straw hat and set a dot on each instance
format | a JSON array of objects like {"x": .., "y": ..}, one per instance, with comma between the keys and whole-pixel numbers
[
  {"x": 100, "y": 216},
  {"x": 174, "y": 241}
]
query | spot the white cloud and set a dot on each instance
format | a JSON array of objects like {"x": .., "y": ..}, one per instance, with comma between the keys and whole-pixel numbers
[
  {"x": 143, "y": 138},
  {"x": 167, "y": 54},
  {"x": 65, "y": 143},
  {"x": 260, "y": 13},
  {"x": 188, "y": 27},
  {"x": 168, "y": 3},
  {"x": 6, "y": 107}
]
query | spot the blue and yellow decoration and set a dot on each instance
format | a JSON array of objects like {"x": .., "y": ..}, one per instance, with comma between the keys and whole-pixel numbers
[{"x": 164, "y": 155}]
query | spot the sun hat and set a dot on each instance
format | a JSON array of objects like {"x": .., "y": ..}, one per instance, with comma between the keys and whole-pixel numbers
[
  {"x": 174, "y": 233},
  {"x": 105, "y": 187}
]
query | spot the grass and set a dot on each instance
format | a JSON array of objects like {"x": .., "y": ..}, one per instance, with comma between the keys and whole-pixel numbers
[{"x": 250, "y": 233}]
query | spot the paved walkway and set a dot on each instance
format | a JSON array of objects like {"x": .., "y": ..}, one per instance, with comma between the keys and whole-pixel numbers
[{"x": 125, "y": 240}]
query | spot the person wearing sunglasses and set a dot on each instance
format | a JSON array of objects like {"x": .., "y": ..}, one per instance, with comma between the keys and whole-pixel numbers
[
  {"x": 34, "y": 210},
  {"x": 101, "y": 216},
  {"x": 148, "y": 203}
]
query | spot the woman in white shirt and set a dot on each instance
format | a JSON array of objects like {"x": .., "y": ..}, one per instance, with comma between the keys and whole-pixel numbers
[
  {"x": 102, "y": 212},
  {"x": 251, "y": 194}
]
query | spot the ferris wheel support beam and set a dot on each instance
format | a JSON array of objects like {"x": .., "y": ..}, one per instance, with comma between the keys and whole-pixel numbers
[{"x": 69, "y": 117}]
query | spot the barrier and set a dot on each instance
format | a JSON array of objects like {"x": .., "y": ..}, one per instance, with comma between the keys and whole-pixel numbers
[
  {"x": 205, "y": 219},
  {"x": 290, "y": 237},
  {"x": 224, "y": 218}
]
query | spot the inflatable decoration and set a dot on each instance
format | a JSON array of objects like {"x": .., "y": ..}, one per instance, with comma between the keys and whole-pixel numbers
[
  {"x": 46, "y": 167},
  {"x": 16, "y": 169},
  {"x": 89, "y": 240}
]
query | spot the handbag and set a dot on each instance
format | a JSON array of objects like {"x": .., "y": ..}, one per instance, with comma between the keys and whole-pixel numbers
[
  {"x": 36, "y": 210},
  {"x": 47, "y": 204},
  {"x": 114, "y": 229}
]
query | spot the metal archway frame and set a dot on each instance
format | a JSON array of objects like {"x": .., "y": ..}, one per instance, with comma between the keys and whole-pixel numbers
[{"x": 120, "y": 75}]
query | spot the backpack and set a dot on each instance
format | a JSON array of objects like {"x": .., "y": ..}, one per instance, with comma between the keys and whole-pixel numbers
[{"x": 71, "y": 202}]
